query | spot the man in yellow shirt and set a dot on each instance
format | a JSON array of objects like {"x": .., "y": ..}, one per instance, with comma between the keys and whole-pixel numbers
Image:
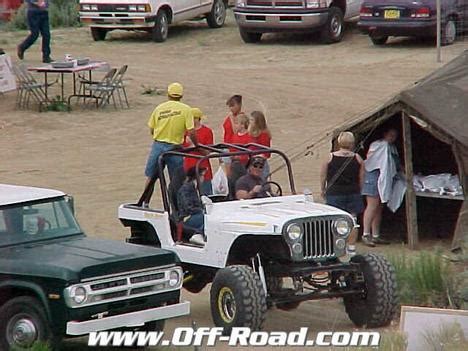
[{"x": 168, "y": 124}]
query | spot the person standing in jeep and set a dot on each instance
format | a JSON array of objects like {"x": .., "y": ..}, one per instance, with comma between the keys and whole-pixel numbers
[
  {"x": 38, "y": 22},
  {"x": 168, "y": 124}
]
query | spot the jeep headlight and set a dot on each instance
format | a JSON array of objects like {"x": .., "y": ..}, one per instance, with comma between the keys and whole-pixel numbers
[
  {"x": 342, "y": 227},
  {"x": 174, "y": 278},
  {"x": 78, "y": 294},
  {"x": 294, "y": 232}
]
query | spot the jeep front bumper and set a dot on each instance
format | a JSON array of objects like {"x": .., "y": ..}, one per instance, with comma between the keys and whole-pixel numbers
[
  {"x": 263, "y": 21},
  {"x": 131, "y": 319}
]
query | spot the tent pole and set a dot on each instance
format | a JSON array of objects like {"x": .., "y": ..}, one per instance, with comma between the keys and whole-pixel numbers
[
  {"x": 410, "y": 198},
  {"x": 439, "y": 28}
]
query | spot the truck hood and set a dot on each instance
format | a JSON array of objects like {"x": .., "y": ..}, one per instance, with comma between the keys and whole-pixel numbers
[
  {"x": 73, "y": 259},
  {"x": 268, "y": 215}
]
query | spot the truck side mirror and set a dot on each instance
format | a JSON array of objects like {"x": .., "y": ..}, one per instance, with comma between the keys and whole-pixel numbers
[{"x": 71, "y": 202}]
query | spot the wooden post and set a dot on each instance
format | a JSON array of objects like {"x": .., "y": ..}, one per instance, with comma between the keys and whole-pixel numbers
[{"x": 411, "y": 206}]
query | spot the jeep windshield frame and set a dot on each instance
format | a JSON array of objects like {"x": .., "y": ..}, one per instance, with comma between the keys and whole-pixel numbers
[
  {"x": 213, "y": 151},
  {"x": 36, "y": 221}
]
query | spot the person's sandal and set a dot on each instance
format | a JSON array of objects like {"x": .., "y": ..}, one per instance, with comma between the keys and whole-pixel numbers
[{"x": 367, "y": 240}]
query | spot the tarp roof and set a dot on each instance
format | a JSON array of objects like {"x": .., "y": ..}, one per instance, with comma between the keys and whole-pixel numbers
[{"x": 442, "y": 98}]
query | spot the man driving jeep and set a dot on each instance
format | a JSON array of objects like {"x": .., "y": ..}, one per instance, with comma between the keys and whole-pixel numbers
[{"x": 252, "y": 185}]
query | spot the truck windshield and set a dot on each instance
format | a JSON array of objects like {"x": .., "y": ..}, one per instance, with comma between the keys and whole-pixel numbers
[{"x": 36, "y": 221}]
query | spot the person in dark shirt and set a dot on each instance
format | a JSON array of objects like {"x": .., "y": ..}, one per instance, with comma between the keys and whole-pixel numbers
[
  {"x": 190, "y": 206},
  {"x": 251, "y": 185},
  {"x": 38, "y": 23},
  {"x": 341, "y": 179}
]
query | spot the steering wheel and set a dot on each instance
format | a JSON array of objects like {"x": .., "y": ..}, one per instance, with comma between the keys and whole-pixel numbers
[{"x": 272, "y": 191}]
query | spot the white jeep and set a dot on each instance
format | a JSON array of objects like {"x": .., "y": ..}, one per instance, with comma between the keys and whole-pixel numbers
[
  {"x": 275, "y": 251},
  {"x": 153, "y": 16}
]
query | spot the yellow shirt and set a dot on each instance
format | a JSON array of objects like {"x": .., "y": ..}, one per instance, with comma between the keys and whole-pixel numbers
[{"x": 170, "y": 120}]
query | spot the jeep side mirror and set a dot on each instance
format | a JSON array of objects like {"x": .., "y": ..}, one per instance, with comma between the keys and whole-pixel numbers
[{"x": 71, "y": 202}]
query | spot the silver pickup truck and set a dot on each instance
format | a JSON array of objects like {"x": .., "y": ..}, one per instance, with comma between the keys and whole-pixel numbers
[{"x": 255, "y": 17}]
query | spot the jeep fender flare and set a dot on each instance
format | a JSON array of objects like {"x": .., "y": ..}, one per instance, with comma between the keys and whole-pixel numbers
[
  {"x": 149, "y": 233},
  {"x": 30, "y": 289}
]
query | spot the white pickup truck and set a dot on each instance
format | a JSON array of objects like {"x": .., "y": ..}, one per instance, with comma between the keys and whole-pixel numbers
[
  {"x": 255, "y": 17},
  {"x": 153, "y": 16}
]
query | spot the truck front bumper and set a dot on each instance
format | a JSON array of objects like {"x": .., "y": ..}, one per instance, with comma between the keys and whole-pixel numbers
[
  {"x": 280, "y": 22},
  {"x": 131, "y": 319},
  {"x": 118, "y": 21}
]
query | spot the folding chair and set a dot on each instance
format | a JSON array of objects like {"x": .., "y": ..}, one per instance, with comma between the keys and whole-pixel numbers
[
  {"x": 119, "y": 86},
  {"x": 101, "y": 91},
  {"x": 29, "y": 88}
]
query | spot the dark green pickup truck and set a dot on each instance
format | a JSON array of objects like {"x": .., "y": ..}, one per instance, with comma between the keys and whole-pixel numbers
[{"x": 55, "y": 282}]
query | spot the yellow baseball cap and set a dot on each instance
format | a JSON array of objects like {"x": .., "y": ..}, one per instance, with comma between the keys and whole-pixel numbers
[
  {"x": 175, "y": 90},
  {"x": 197, "y": 113}
]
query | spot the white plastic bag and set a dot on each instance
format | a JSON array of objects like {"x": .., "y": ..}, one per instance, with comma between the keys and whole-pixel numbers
[{"x": 220, "y": 183}]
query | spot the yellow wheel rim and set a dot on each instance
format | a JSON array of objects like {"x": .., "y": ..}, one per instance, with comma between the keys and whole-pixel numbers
[{"x": 226, "y": 304}]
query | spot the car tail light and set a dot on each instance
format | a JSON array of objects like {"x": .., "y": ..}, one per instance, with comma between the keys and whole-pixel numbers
[
  {"x": 422, "y": 12},
  {"x": 366, "y": 11}
]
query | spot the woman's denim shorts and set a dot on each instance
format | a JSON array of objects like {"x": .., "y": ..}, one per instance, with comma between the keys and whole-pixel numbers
[
  {"x": 351, "y": 203},
  {"x": 371, "y": 180}
]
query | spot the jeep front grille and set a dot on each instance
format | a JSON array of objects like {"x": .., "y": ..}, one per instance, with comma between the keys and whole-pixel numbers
[{"x": 318, "y": 239}]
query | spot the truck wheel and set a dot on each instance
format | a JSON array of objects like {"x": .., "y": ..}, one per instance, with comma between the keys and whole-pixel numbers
[
  {"x": 98, "y": 34},
  {"x": 217, "y": 15},
  {"x": 333, "y": 30},
  {"x": 250, "y": 37},
  {"x": 378, "y": 39},
  {"x": 237, "y": 299},
  {"x": 161, "y": 27},
  {"x": 449, "y": 32},
  {"x": 378, "y": 304},
  {"x": 22, "y": 323}
]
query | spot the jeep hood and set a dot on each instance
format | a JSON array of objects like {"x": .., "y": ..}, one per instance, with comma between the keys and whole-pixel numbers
[
  {"x": 73, "y": 259},
  {"x": 268, "y": 215}
]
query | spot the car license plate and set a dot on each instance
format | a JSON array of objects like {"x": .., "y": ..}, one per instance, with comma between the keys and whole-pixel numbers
[{"x": 392, "y": 14}]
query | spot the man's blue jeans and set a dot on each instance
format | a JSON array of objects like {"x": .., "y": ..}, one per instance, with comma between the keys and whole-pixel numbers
[
  {"x": 174, "y": 163},
  {"x": 197, "y": 222},
  {"x": 38, "y": 23}
]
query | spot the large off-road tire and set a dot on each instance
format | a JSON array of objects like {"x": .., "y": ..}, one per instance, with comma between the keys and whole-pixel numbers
[
  {"x": 250, "y": 37},
  {"x": 237, "y": 299},
  {"x": 333, "y": 30},
  {"x": 449, "y": 32},
  {"x": 161, "y": 27},
  {"x": 377, "y": 306},
  {"x": 98, "y": 34},
  {"x": 22, "y": 323},
  {"x": 378, "y": 40},
  {"x": 217, "y": 15}
]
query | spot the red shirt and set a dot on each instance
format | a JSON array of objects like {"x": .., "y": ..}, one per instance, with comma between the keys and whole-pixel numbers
[
  {"x": 228, "y": 130},
  {"x": 242, "y": 139},
  {"x": 204, "y": 136},
  {"x": 264, "y": 139}
]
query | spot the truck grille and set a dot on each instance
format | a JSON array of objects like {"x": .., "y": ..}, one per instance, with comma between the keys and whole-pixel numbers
[
  {"x": 126, "y": 286},
  {"x": 318, "y": 239},
  {"x": 275, "y": 4}
]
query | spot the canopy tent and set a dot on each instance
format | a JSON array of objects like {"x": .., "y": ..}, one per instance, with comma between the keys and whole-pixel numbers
[{"x": 433, "y": 119}]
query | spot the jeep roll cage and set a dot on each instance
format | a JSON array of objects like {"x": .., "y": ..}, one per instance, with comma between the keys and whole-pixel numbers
[{"x": 215, "y": 151}]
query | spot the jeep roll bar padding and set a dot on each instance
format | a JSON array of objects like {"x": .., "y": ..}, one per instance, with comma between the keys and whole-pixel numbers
[{"x": 217, "y": 151}]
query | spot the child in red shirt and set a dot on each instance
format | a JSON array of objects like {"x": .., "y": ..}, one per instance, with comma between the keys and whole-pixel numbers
[
  {"x": 260, "y": 134},
  {"x": 242, "y": 137},
  {"x": 204, "y": 136},
  {"x": 230, "y": 122}
]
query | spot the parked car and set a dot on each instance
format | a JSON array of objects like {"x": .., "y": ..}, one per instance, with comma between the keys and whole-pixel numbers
[
  {"x": 153, "y": 16},
  {"x": 265, "y": 252},
  {"x": 55, "y": 282},
  {"x": 255, "y": 17},
  {"x": 382, "y": 19}
]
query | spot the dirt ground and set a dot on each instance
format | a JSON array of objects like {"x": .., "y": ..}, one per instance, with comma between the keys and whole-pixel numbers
[{"x": 305, "y": 89}]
